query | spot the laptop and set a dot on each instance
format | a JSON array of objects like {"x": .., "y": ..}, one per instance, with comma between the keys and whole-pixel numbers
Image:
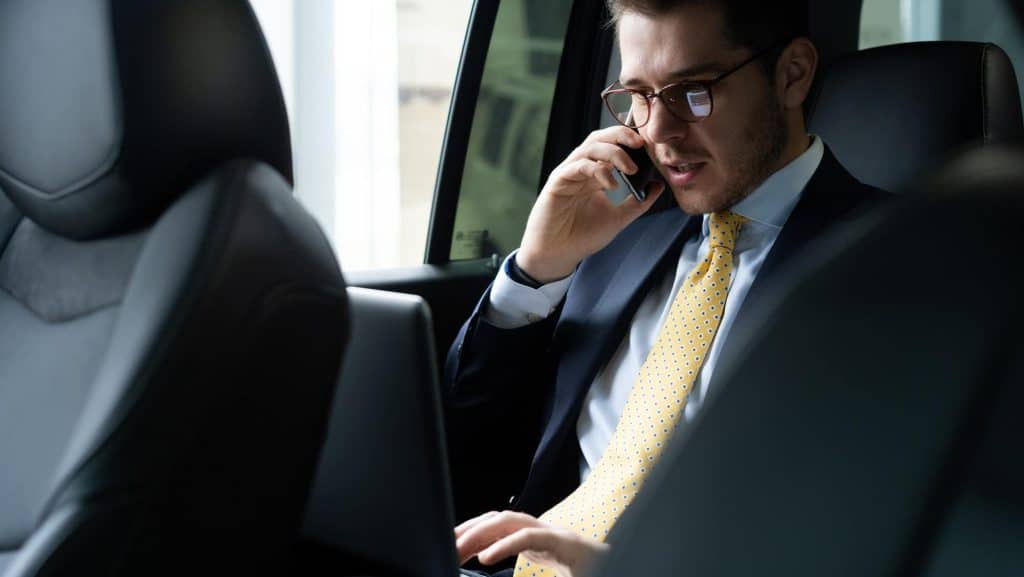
[{"x": 381, "y": 499}]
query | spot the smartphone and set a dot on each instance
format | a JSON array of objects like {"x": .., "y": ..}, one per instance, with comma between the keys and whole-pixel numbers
[{"x": 637, "y": 182}]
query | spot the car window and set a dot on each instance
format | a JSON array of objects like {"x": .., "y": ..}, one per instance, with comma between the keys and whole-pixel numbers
[
  {"x": 368, "y": 86},
  {"x": 888, "y": 22},
  {"x": 501, "y": 177}
]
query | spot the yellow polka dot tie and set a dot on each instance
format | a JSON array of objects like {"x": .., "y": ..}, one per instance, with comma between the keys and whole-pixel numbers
[{"x": 655, "y": 404}]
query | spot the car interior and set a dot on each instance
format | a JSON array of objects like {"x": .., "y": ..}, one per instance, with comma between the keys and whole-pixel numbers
[{"x": 189, "y": 384}]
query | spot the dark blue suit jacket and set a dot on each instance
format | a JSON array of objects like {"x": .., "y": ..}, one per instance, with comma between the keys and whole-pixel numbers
[{"x": 512, "y": 397}]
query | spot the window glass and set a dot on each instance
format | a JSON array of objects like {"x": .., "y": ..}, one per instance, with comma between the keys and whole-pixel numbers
[
  {"x": 893, "y": 21},
  {"x": 367, "y": 86},
  {"x": 506, "y": 144}
]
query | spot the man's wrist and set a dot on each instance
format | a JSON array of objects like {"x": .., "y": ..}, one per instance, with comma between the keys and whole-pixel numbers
[
  {"x": 513, "y": 303},
  {"x": 542, "y": 272},
  {"x": 519, "y": 275}
]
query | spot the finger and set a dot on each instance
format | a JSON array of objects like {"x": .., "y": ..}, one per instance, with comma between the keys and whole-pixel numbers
[
  {"x": 611, "y": 135},
  {"x": 466, "y": 525},
  {"x": 543, "y": 543},
  {"x": 487, "y": 531},
  {"x": 603, "y": 174},
  {"x": 569, "y": 553},
  {"x": 617, "y": 134},
  {"x": 484, "y": 533},
  {"x": 612, "y": 154},
  {"x": 582, "y": 170},
  {"x": 631, "y": 208}
]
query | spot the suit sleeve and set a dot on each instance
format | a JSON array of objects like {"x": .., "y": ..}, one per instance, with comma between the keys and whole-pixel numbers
[{"x": 495, "y": 385}]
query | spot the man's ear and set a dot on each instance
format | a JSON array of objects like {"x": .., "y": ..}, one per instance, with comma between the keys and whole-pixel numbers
[{"x": 794, "y": 72}]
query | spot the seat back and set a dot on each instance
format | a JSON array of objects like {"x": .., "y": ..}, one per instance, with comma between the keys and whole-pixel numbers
[
  {"x": 171, "y": 320},
  {"x": 869, "y": 424},
  {"x": 894, "y": 113}
]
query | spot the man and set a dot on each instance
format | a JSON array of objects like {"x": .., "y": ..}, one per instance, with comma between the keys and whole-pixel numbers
[{"x": 601, "y": 334}]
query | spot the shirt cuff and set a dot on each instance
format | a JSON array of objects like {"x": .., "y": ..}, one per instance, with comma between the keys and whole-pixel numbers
[{"x": 513, "y": 305}]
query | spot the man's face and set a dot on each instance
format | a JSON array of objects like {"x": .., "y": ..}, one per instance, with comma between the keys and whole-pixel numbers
[{"x": 712, "y": 164}]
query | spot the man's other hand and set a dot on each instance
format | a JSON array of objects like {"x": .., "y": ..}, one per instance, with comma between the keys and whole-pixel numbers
[{"x": 495, "y": 536}]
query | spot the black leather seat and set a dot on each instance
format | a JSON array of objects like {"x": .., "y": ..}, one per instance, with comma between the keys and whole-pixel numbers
[
  {"x": 171, "y": 320},
  {"x": 871, "y": 426},
  {"x": 894, "y": 113}
]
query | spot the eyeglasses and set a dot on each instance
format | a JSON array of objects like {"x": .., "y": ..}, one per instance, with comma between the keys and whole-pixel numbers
[{"x": 689, "y": 101}]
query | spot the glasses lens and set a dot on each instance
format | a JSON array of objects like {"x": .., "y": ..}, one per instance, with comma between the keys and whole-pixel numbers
[
  {"x": 688, "y": 101},
  {"x": 627, "y": 107}
]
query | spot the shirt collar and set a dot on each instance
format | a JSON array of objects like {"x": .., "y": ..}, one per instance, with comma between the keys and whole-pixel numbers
[{"x": 774, "y": 199}]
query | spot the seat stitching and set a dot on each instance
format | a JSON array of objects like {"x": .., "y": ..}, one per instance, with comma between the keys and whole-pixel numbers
[
  {"x": 101, "y": 170},
  {"x": 58, "y": 319}
]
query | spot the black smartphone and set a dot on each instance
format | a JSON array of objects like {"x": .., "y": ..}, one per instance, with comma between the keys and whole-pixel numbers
[{"x": 637, "y": 182}]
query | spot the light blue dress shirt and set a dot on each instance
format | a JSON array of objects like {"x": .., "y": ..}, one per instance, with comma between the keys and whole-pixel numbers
[{"x": 768, "y": 207}]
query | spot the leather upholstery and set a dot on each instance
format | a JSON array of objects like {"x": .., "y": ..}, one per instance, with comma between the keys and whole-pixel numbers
[
  {"x": 171, "y": 321},
  {"x": 890, "y": 445},
  {"x": 87, "y": 85},
  {"x": 896, "y": 112}
]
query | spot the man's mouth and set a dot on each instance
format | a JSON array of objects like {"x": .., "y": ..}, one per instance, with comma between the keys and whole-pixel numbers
[
  {"x": 686, "y": 166},
  {"x": 683, "y": 173}
]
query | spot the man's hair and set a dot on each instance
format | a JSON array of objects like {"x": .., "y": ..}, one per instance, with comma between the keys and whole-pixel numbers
[{"x": 753, "y": 24}]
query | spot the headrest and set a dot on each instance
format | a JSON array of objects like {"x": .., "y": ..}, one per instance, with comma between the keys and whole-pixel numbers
[
  {"x": 896, "y": 112},
  {"x": 109, "y": 109}
]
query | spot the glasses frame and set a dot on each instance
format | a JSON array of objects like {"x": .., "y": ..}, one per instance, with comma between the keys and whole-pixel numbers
[{"x": 706, "y": 85}]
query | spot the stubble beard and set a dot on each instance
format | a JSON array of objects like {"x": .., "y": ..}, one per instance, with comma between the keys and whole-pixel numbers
[{"x": 768, "y": 139}]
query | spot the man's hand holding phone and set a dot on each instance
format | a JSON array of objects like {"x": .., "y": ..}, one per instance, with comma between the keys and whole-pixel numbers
[
  {"x": 637, "y": 182},
  {"x": 573, "y": 217}
]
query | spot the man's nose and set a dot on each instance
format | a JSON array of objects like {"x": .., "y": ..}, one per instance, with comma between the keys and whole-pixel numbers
[{"x": 663, "y": 126}]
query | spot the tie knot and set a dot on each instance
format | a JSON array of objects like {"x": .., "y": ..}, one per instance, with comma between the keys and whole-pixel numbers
[{"x": 725, "y": 228}]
